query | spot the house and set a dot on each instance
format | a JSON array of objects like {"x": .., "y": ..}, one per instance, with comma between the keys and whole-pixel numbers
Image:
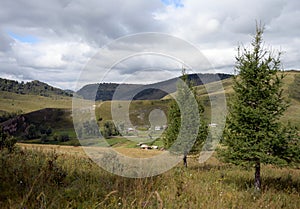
[
  {"x": 130, "y": 129},
  {"x": 157, "y": 128},
  {"x": 213, "y": 125}
]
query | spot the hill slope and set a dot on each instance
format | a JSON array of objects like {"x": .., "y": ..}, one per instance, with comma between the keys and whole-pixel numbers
[
  {"x": 25, "y": 103},
  {"x": 33, "y": 88},
  {"x": 156, "y": 91},
  {"x": 291, "y": 92},
  {"x": 58, "y": 117}
]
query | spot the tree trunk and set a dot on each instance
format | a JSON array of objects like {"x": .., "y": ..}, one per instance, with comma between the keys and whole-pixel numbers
[
  {"x": 185, "y": 160},
  {"x": 257, "y": 181}
]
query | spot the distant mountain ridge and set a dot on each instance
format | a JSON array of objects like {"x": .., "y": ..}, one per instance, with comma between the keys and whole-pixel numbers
[
  {"x": 114, "y": 91},
  {"x": 34, "y": 87}
]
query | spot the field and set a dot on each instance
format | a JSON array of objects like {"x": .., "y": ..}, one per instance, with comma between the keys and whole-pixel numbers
[
  {"x": 12, "y": 102},
  {"x": 39, "y": 176}
]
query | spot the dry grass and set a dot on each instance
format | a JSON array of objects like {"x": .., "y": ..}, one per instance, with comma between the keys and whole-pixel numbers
[
  {"x": 81, "y": 152},
  {"x": 62, "y": 178}
]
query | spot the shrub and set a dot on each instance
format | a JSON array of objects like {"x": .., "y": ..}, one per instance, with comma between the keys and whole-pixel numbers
[
  {"x": 7, "y": 141},
  {"x": 64, "y": 138},
  {"x": 44, "y": 138},
  {"x": 31, "y": 132}
]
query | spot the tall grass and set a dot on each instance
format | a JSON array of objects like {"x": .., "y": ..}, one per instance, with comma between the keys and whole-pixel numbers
[{"x": 37, "y": 179}]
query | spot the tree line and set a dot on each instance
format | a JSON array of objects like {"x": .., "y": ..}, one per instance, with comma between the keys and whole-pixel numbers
[{"x": 33, "y": 87}]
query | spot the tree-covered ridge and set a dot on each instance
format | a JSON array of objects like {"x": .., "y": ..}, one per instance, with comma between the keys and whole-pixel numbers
[
  {"x": 34, "y": 87},
  {"x": 155, "y": 91}
]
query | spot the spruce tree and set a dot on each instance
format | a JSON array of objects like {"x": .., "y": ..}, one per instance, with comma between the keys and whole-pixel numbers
[
  {"x": 186, "y": 130},
  {"x": 253, "y": 133}
]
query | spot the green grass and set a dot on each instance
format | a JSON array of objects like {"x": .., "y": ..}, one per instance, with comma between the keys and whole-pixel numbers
[
  {"x": 139, "y": 111},
  {"x": 12, "y": 102},
  {"x": 290, "y": 92},
  {"x": 35, "y": 179}
]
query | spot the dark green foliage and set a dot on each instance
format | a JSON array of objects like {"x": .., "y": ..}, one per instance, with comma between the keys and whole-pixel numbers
[
  {"x": 110, "y": 129},
  {"x": 55, "y": 137},
  {"x": 41, "y": 124},
  {"x": 63, "y": 137},
  {"x": 286, "y": 147},
  {"x": 31, "y": 132},
  {"x": 8, "y": 115},
  {"x": 186, "y": 99},
  {"x": 33, "y": 87},
  {"x": 173, "y": 125},
  {"x": 7, "y": 141},
  {"x": 45, "y": 130},
  {"x": 44, "y": 138},
  {"x": 254, "y": 133}
]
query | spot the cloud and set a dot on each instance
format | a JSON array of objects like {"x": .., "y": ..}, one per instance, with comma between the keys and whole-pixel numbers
[
  {"x": 6, "y": 42},
  {"x": 52, "y": 41}
]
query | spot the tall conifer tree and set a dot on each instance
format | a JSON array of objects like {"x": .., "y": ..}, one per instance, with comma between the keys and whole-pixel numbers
[{"x": 254, "y": 134}]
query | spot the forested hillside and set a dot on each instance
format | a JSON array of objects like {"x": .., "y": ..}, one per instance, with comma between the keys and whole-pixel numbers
[
  {"x": 156, "y": 91},
  {"x": 33, "y": 88}
]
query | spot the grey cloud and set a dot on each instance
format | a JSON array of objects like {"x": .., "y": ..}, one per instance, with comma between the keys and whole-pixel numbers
[
  {"x": 211, "y": 25},
  {"x": 96, "y": 21},
  {"x": 5, "y": 42}
]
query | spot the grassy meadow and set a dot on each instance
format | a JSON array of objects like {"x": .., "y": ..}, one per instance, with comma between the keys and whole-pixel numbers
[
  {"x": 290, "y": 92},
  {"x": 12, "y": 102},
  {"x": 63, "y": 177}
]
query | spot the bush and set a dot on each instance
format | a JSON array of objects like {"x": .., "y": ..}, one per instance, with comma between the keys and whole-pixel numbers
[
  {"x": 31, "y": 132},
  {"x": 46, "y": 130},
  {"x": 7, "y": 141},
  {"x": 8, "y": 115},
  {"x": 110, "y": 129},
  {"x": 55, "y": 137},
  {"x": 64, "y": 138},
  {"x": 44, "y": 138}
]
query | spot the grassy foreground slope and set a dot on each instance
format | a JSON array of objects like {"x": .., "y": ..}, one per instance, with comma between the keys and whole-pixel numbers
[{"x": 53, "y": 179}]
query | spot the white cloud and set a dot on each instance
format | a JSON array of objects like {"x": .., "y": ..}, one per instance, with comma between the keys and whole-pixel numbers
[{"x": 69, "y": 33}]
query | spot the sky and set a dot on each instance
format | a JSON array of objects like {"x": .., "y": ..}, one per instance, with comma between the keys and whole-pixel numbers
[{"x": 56, "y": 41}]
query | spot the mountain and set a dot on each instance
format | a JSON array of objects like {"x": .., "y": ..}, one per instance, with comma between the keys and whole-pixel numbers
[
  {"x": 33, "y": 88},
  {"x": 156, "y": 91},
  {"x": 104, "y": 91}
]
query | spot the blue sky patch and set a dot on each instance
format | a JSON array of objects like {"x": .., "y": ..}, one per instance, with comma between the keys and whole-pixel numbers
[
  {"x": 176, "y": 3},
  {"x": 24, "y": 38}
]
